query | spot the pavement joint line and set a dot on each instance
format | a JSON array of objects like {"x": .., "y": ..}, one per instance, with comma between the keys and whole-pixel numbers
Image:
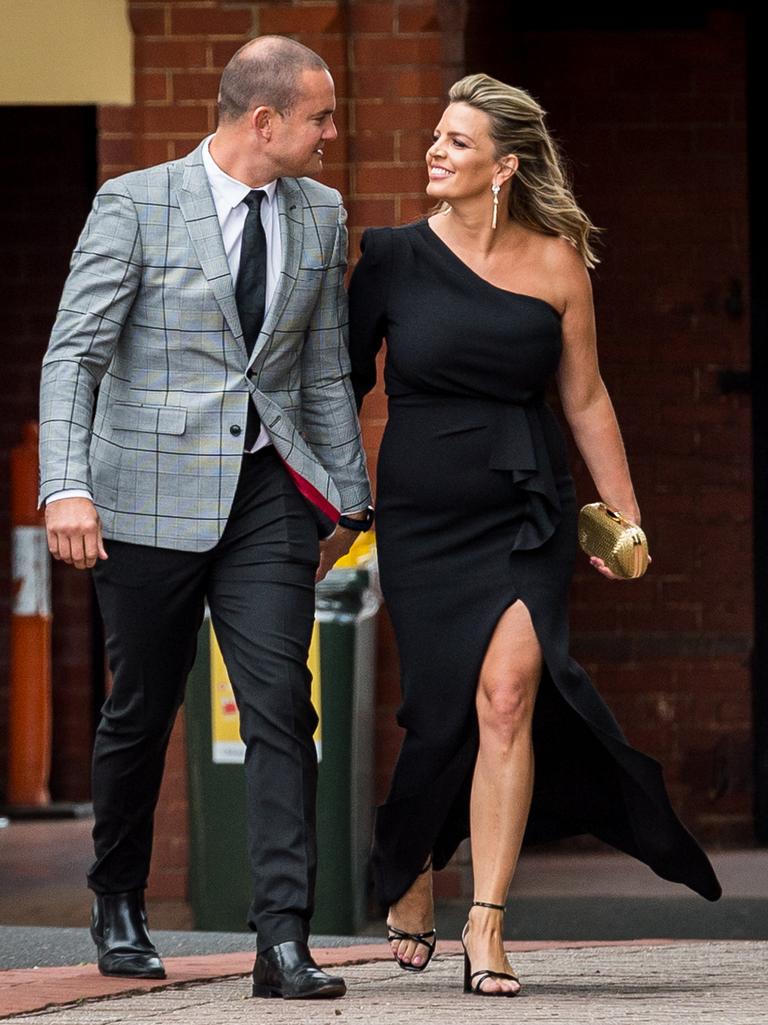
[{"x": 29, "y": 990}]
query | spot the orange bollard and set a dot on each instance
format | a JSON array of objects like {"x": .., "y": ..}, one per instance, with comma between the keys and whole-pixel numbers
[{"x": 29, "y": 754}]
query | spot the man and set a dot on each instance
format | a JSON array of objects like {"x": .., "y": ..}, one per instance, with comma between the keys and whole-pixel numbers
[{"x": 206, "y": 304}]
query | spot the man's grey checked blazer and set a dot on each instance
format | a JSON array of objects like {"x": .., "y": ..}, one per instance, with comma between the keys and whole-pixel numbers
[{"x": 148, "y": 316}]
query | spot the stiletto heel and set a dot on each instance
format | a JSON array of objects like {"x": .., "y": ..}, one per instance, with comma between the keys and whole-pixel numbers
[
  {"x": 473, "y": 981},
  {"x": 426, "y": 939},
  {"x": 467, "y": 966}
]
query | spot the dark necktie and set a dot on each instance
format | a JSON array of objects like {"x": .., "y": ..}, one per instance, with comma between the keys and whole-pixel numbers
[{"x": 251, "y": 290}]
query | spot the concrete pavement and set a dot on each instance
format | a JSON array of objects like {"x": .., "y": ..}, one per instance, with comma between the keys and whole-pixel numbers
[
  {"x": 653, "y": 983},
  {"x": 576, "y": 899}
]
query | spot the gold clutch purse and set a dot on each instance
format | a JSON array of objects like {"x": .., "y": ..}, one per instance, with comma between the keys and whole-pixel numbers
[{"x": 621, "y": 544}]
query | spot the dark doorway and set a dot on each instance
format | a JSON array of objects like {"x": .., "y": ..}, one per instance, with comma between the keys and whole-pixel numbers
[
  {"x": 650, "y": 108},
  {"x": 47, "y": 182},
  {"x": 757, "y": 81}
]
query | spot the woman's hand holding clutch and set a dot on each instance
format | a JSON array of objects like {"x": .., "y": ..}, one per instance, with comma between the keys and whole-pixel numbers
[{"x": 616, "y": 545}]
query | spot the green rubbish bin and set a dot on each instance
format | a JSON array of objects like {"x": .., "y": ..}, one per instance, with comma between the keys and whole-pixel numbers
[
  {"x": 346, "y": 606},
  {"x": 342, "y": 660},
  {"x": 219, "y": 878}
]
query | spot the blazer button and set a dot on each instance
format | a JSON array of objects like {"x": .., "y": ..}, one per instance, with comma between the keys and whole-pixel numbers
[{"x": 235, "y": 429}]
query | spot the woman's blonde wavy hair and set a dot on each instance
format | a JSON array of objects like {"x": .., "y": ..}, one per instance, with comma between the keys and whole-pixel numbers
[{"x": 540, "y": 195}]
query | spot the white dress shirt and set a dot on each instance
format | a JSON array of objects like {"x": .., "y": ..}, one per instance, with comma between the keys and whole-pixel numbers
[{"x": 228, "y": 195}]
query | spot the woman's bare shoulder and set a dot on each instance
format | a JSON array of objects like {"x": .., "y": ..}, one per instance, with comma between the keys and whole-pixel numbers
[{"x": 562, "y": 260}]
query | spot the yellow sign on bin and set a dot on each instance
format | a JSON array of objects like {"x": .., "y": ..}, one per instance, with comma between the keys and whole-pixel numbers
[{"x": 227, "y": 745}]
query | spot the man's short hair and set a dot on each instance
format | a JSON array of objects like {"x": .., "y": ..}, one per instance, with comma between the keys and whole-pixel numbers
[{"x": 266, "y": 71}]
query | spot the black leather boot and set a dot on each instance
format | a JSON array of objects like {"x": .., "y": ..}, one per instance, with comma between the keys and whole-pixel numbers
[
  {"x": 119, "y": 930},
  {"x": 288, "y": 971}
]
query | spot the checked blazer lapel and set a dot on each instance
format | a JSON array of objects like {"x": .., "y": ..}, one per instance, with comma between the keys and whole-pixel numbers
[
  {"x": 289, "y": 208},
  {"x": 199, "y": 212}
]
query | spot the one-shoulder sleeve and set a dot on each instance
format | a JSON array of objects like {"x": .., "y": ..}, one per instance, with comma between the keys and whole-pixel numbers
[{"x": 368, "y": 290}]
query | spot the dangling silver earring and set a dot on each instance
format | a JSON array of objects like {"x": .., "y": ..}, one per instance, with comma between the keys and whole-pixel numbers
[{"x": 495, "y": 189}]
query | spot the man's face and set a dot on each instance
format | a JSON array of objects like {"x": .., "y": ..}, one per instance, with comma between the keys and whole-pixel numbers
[{"x": 299, "y": 136}]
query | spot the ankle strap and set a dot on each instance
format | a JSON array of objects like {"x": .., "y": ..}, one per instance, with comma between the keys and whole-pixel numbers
[{"x": 485, "y": 904}]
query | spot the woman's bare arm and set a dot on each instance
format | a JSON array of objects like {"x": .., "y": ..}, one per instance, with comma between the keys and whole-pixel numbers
[{"x": 586, "y": 403}]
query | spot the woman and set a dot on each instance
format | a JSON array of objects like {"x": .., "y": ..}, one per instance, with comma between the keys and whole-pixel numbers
[{"x": 481, "y": 304}]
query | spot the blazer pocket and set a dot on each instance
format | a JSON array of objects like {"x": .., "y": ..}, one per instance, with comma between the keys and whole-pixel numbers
[
  {"x": 313, "y": 260},
  {"x": 133, "y": 416}
]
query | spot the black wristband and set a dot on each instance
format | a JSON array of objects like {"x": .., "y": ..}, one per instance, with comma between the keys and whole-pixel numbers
[{"x": 354, "y": 524}]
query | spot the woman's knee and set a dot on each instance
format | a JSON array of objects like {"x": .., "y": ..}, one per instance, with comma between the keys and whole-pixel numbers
[{"x": 505, "y": 703}]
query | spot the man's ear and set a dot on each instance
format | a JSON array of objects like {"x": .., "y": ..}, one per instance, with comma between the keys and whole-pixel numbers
[{"x": 261, "y": 120}]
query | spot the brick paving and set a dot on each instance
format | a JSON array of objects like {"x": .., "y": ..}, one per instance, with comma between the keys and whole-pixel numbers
[
  {"x": 659, "y": 983},
  {"x": 36, "y": 989}
]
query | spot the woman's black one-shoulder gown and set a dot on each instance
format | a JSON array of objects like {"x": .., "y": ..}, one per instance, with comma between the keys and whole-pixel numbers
[{"x": 475, "y": 510}]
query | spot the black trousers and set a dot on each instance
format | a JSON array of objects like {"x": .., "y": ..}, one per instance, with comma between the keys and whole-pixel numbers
[{"x": 259, "y": 584}]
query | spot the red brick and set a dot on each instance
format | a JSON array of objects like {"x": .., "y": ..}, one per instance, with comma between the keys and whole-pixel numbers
[
  {"x": 423, "y": 49},
  {"x": 332, "y": 48},
  {"x": 335, "y": 176},
  {"x": 413, "y": 208},
  {"x": 220, "y": 53},
  {"x": 373, "y": 432},
  {"x": 107, "y": 171},
  {"x": 723, "y": 441},
  {"x": 376, "y": 147},
  {"x": 288, "y": 19},
  {"x": 168, "y": 885},
  {"x": 340, "y": 78},
  {"x": 374, "y": 116},
  {"x": 719, "y": 138},
  {"x": 375, "y": 412},
  {"x": 195, "y": 85},
  {"x": 151, "y": 85},
  {"x": 371, "y": 17},
  {"x": 713, "y": 107},
  {"x": 427, "y": 82},
  {"x": 387, "y": 179},
  {"x": 116, "y": 120},
  {"x": 212, "y": 22},
  {"x": 182, "y": 147},
  {"x": 418, "y": 18},
  {"x": 735, "y": 710},
  {"x": 116, "y": 152},
  {"x": 147, "y": 20},
  {"x": 377, "y": 82},
  {"x": 726, "y": 506},
  {"x": 172, "y": 53},
  {"x": 153, "y": 151},
  {"x": 367, "y": 213},
  {"x": 413, "y": 146},
  {"x": 176, "y": 119}
]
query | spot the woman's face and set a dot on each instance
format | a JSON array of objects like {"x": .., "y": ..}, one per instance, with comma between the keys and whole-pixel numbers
[{"x": 461, "y": 161}]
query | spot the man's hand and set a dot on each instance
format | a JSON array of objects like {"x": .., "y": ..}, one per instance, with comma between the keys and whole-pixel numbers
[
  {"x": 338, "y": 544},
  {"x": 74, "y": 532}
]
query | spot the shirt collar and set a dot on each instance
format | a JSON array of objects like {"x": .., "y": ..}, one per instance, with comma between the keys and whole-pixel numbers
[{"x": 228, "y": 190}]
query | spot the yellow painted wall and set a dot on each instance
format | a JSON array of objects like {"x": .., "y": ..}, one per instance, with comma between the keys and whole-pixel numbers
[{"x": 65, "y": 51}]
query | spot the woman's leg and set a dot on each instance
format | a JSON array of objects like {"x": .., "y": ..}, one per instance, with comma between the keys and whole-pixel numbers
[{"x": 503, "y": 781}]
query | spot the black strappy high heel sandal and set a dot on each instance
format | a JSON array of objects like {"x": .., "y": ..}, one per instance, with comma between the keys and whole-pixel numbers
[
  {"x": 473, "y": 981},
  {"x": 426, "y": 939}
]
